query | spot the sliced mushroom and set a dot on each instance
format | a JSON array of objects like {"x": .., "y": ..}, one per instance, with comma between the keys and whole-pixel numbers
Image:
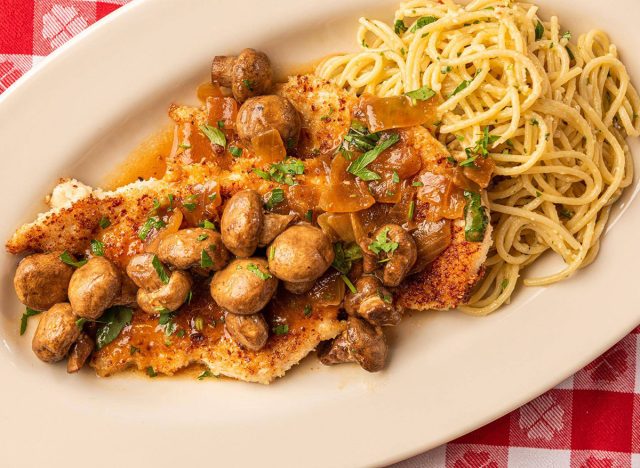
[
  {"x": 56, "y": 332},
  {"x": 142, "y": 272},
  {"x": 184, "y": 249},
  {"x": 301, "y": 254},
  {"x": 249, "y": 331},
  {"x": 274, "y": 224},
  {"x": 361, "y": 342},
  {"x": 42, "y": 280},
  {"x": 241, "y": 222},
  {"x": 80, "y": 352},
  {"x": 373, "y": 302},
  {"x": 249, "y": 74},
  {"x": 400, "y": 261},
  {"x": 244, "y": 287},
  {"x": 169, "y": 297},
  {"x": 261, "y": 114},
  {"x": 93, "y": 287}
]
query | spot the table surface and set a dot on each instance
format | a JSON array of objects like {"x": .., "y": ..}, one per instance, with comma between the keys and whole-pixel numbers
[{"x": 591, "y": 420}]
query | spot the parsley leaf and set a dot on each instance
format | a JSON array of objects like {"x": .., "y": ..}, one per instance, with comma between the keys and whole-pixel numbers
[
  {"x": 461, "y": 87},
  {"x": 215, "y": 135},
  {"x": 249, "y": 84},
  {"x": 208, "y": 225},
  {"x": 349, "y": 284},
  {"x": 67, "y": 258},
  {"x": 235, "y": 151},
  {"x": 97, "y": 248},
  {"x": 104, "y": 222},
  {"x": 152, "y": 223},
  {"x": 422, "y": 22},
  {"x": 307, "y": 310},
  {"x": 205, "y": 374},
  {"x": 475, "y": 217},
  {"x": 150, "y": 372},
  {"x": 281, "y": 329},
  {"x": 253, "y": 268},
  {"x": 283, "y": 172},
  {"x": 113, "y": 321},
  {"x": 539, "y": 30},
  {"x": 382, "y": 243},
  {"x": 205, "y": 259},
  {"x": 202, "y": 237},
  {"x": 359, "y": 167},
  {"x": 160, "y": 270},
  {"x": 399, "y": 27},
  {"x": 25, "y": 317},
  {"x": 345, "y": 255},
  {"x": 276, "y": 197},
  {"x": 358, "y": 138},
  {"x": 421, "y": 94}
]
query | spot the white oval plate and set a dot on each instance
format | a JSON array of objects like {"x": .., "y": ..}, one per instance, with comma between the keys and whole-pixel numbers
[{"x": 89, "y": 104}]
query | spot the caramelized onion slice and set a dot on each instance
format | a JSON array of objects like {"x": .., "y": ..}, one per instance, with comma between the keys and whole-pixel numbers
[
  {"x": 481, "y": 171},
  {"x": 328, "y": 290},
  {"x": 444, "y": 197},
  {"x": 337, "y": 226},
  {"x": 395, "y": 112},
  {"x": 268, "y": 146},
  {"x": 432, "y": 238},
  {"x": 344, "y": 194}
]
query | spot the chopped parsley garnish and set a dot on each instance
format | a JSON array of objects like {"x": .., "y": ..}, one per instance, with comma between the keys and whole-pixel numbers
[
  {"x": 359, "y": 138},
  {"x": 566, "y": 35},
  {"x": 184, "y": 146},
  {"x": 205, "y": 259},
  {"x": 307, "y": 310},
  {"x": 221, "y": 124},
  {"x": 283, "y": 172},
  {"x": 452, "y": 160},
  {"x": 153, "y": 222},
  {"x": 359, "y": 167},
  {"x": 112, "y": 322},
  {"x": 571, "y": 56},
  {"x": 412, "y": 210},
  {"x": 192, "y": 203},
  {"x": 215, "y": 135},
  {"x": 189, "y": 297},
  {"x": 253, "y": 268},
  {"x": 262, "y": 174},
  {"x": 399, "y": 27},
  {"x": 461, "y": 87},
  {"x": 345, "y": 255},
  {"x": 445, "y": 70},
  {"x": 208, "y": 225},
  {"x": 133, "y": 350},
  {"x": 475, "y": 217},
  {"x": 80, "y": 322},
  {"x": 181, "y": 333},
  {"x": 281, "y": 329},
  {"x": 202, "y": 237},
  {"x": 309, "y": 215},
  {"x": 349, "y": 284},
  {"x": 156, "y": 204},
  {"x": 481, "y": 148},
  {"x": 421, "y": 94},
  {"x": 235, "y": 151},
  {"x": 422, "y": 22},
  {"x": 104, "y": 222},
  {"x": 25, "y": 318},
  {"x": 166, "y": 321},
  {"x": 249, "y": 84},
  {"x": 326, "y": 117},
  {"x": 564, "y": 213},
  {"x": 276, "y": 197},
  {"x": 160, "y": 270},
  {"x": 534, "y": 122},
  {"x": 503, "y": 284},
  {"x": 272, "y": 252},
  {"x": 382, "y": 243},
  {"x": 539, "y": 30},
  {"x": 97, "y": 248},
  {"x": 67, "y": 258},
  {"x": 150, "y": 372},
  {"x": 417, "y": 183},
  {"x": 205, "y": 374},
  {"x": 171, "y": 198},
  {"x": 395, "y": 178}
]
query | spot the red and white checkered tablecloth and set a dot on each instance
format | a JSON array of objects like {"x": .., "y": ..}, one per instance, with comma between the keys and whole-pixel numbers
[{"x": 591, "y": 420}]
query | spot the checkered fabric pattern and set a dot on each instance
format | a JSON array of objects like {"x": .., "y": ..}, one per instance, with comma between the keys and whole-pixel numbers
[{"x": 591, "y": 420}]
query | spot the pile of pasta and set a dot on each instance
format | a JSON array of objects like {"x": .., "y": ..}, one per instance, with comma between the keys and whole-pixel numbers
[{"x": 558, "y": 109}]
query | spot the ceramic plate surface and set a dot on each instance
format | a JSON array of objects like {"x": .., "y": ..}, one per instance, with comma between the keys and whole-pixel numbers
[{"x": 87, "y": 107}]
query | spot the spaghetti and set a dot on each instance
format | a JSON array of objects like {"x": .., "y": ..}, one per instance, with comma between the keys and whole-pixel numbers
[{"x": 558, "y": 113}]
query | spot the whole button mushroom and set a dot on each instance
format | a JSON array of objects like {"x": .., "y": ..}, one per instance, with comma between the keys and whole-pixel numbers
[
  {"x": 261, "y": 114},
  {"x": 373, "y": 302},
  {"x": 249, "y": 331},
  {"x": 241, "y": 223},
  {"x": 244, "y": 287},
  {"x": 301, "y": 254},
  {"x": 401, "y": 260},
  {"x": 56, "y": 332},
  {"x": 93, "y": 287},
  {"x": 361, "y": 342},
  {"x": 141, "y": 271},
  {"x": 249, "y": 74},
  {"x": 169, "y": 297},
  {"x": 42, "y": 280},
  {"x": 183, "y": 249},
  {"x": 274, "y": 224}
]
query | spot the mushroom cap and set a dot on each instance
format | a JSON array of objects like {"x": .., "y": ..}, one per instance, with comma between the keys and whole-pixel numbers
[
  {"x": 56, "y": 332},
  {"x": 367, "y": 344},
  {"x": 244, "y": 287},
  {"x": 249, "y": 331},
  {"x": 402, "y": 259},
  {"x": 93, "y": 287},
  {"x": 241, "y": 222},
  {"x": 42, "y": 280},
  {"x": 80, "y": 352},
  {"x": 373, "y": 302},
  {"x": 141, "y": 271},
  {"x": 263, "y": 113},
  {"x": 301, "y": 254},
  {"x": 169, "y": 296},
  {"x": 183, "y": 249},
  {"x": 274, "y": 224},
  {"x": 251, "y": 75}
]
